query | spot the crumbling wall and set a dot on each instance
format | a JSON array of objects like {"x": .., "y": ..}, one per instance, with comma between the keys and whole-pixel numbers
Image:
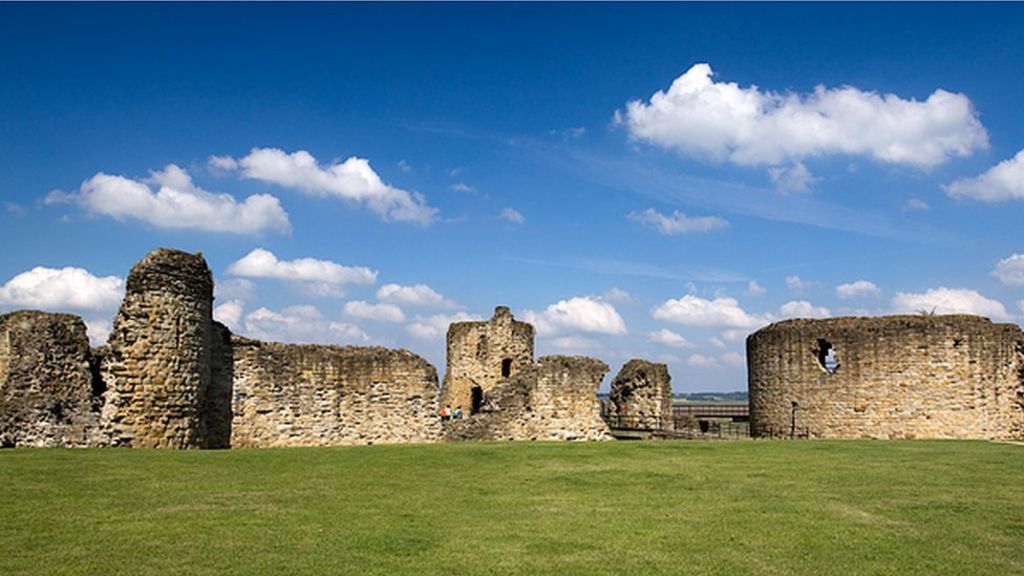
[
  {"x": 641, "y": 394},
  {"x": 310, "y": 395},
  {"x": 482, "y": 354},
  {"x": 217, "y": 415},
  {"x": 157, "y": 367},
  {"x": 555, "y": 399},
  {"x": 889, "y": 377},
  {"x": 48, "y": 394}
]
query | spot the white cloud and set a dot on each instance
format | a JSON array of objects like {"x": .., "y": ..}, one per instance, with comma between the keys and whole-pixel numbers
[
  {"x": 702, "y": 361},
  {"x": 803, "y": 309},
  {"x": 176, "y": 203},
  {"x": 677, "y": 223},
  {"x": 617, "y": 295},
  {"x": 582, "y": 313},
  {"x": 692, "y": 310},
  {"x": 223, "y": 163},
  {"x": 858, "y": 289},
  {"x": 735, "y": 335},
  {"x": 230, "y": 314},
  {"x": 795, "y": 179},
  {"x": 404, "y": 166},
  {"x": 716, "y": 342},
  {"x": 915, "y": 204},
  {"x": 797, "y": 284},
  {"x": 733, "y": 359},
  {"x": 574, "y": 343},
  {"x": 722, "y": 121},
  {"x": 436, "y": 327},
  {"x": 418, "y": 295},
  {"x": 353, "y": 180},
  {"x": 300, "y": 324},
  {"x": 262, "y": 263},
  {"x": 944, "y": 300},
  {"x": 62, "y": 289},
  {"x": 463, "y": 187},
  {"x": 234, "y": 289},
  {"x": 1004, "y": 181},
  {"x": 379, "y": 312},
  {"x": 754, "y": 289},
  {"x": 98, "y": 330},
  {"x": 668, "y": 338},
  {"x": 1010, "y": 270},
  {"x": 512, "y": 215}
]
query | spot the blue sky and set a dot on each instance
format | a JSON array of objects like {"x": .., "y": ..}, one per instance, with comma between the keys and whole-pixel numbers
[{"x": 653, "y": 180}]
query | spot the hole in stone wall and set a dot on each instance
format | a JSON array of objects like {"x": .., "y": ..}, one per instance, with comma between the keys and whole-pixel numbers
[
  {"x": 827, "y": 357},
  {"x": 506, "y": 367},
  {"x": 477, "y": 394},
  {"x": 957, "y": 342}
]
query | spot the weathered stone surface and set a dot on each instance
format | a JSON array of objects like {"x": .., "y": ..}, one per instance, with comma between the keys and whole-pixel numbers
[
  {"x": 555, "y": 399},
  {"x": 48, "y": 393},
  {"x": 157, "y": 368},
  {"x": 642, "y": 392},
  {"x": 482, "y": 354},
  {"x": 309, "y": 395},
  {"x": 891, "y": 377}
]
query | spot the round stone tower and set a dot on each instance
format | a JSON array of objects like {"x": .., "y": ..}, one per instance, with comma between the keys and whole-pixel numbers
[
  {"x": 481, "y": 354},
  {"x": 157, "y": 365}
]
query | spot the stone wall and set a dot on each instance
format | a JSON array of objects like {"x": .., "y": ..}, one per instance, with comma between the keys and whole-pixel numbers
[
  {"x": 555, "y": 399},
  {"x": 482, "y": 354},
  {"x": 888, "y": 377},
  {"x": 309, "y": 395},
  {"x": 157, "y": 366},
  {"x": 642, "y": 394},
  {"x": 48, "y": 393}
]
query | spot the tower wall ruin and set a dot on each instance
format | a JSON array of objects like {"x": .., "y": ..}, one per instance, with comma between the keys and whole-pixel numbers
[
  {"x": 887, "y": 377},
  {"x": 482, "y": 354},
  {"x": 48, "y": 393},
  {"x": 157, "y": 366},
  {"x": 641, "y": 394},
  {"x": 310, "y": 395}
]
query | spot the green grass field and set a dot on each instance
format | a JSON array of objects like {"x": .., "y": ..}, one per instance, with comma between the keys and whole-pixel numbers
[{"x": 804, "y": 507}]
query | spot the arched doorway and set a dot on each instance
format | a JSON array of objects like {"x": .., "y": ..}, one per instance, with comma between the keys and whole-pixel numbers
[
  {"x": 477, "y": 399},
  {"x": 506, "y": 367}
]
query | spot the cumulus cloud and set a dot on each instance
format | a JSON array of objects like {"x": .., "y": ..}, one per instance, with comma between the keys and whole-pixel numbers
[
  {"x": 434, "y": 328},
  {"x": 60, "y": 289},
  {"x": 733, "y": 359},
  {"x": 582, "y": 314},
  {"x": 1004, "y": 181},
  {"x": 702, "y": 361},
  {"x": 794, "y": 179},
  {"x": 574, "y": 343},
  {"x": 300, "y": 324},
  {"x": 463, "y": 187},
  {"x": 691, "y": 310},
  {"x": 1010, "y": 270},
  {"x": 944, "y": 300},
  {"x": 915, "y": 205},
  {"x": 617, "y": 295},
  {"x": 754, "y": 289},
  {"x": 230, "y": 314},
  {"x": 803, "y": 309},
  {"x": 512, "y": 215},
  {"x": 797, "y": 284},
  {"x": 169, "y": 199},
  {"x": 668, "y": 338},
  {"x": 379, "y": 312},
  {"x": 858, "y": 289},
  {"x": 352, "y": 180},
  {"x": 677, "y": 223},
  {"x": 262, "y": 263},
  {"x": 98, "y": 330},
  {"x": 723, "y": 121},
  {"x": 418, "y": 295}
]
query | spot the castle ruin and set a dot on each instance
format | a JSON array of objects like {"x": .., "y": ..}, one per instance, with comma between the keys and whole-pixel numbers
[
  {"x": 888, "y": 377},
  {"x": 172, "y": 377}
]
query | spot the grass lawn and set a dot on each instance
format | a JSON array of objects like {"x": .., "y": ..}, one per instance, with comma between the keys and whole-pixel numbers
[{"x": 805, "y": 507}]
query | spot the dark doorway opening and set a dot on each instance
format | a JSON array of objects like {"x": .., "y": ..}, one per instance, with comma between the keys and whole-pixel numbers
[
  {"x": 477, "y": 399},
  {"x": 506, "y": 367}
]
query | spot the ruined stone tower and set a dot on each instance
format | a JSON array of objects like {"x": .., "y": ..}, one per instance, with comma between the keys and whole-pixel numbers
[
  {"x": 887, "y": 377},
  {"x": 482, "y": 354},
  {"x": 641, "y": 395},
  {"x": 157, "y": 363}
]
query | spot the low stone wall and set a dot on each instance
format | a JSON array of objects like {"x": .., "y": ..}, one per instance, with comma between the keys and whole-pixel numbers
[
  {"x": 887, "y": 377},
  {"x": 309, "y": 395},
  {"x": 641, "y": 394},
  {"x": 556, "y": 399},
  {"x": 48, "y": 393}
]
